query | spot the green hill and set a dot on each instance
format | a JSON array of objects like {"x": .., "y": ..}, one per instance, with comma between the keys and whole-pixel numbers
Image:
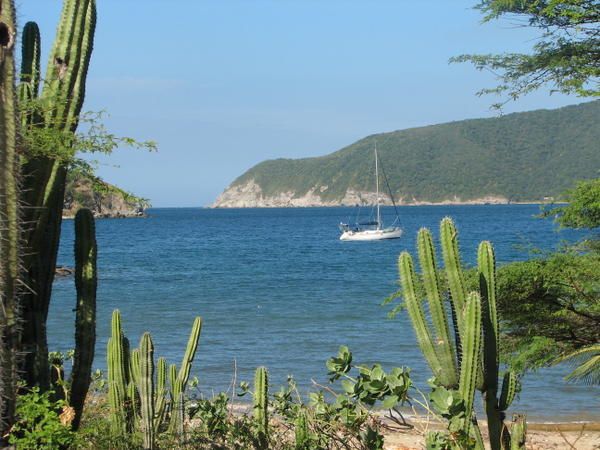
[{"x": 520, "y": 157}]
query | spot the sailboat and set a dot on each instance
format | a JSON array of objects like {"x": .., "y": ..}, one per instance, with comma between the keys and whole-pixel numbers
[{"x": 373, "y": 230}]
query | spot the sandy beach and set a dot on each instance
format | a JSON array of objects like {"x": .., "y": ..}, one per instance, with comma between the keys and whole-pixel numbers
[{"x": 540, "y": 436}]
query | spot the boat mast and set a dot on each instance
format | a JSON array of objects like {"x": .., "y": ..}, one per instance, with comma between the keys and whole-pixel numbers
[{"x": 377, "y": 184}]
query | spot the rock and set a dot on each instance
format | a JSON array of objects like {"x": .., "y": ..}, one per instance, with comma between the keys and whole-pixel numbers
[
  {"x": 250, "y": 195},
  {"x": 64, "y": 271},
  {"x": 103, "y": 199}
]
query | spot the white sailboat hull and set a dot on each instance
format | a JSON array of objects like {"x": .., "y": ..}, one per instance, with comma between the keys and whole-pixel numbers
[{"x": 371, "y": 235}]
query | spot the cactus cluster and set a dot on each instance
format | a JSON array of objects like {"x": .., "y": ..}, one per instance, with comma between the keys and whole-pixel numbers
[
  {"x": 467, "y": 359},
  {"x": 138, "y": 395},
  {"x": 56, "y": 110},
  {"x": 10, "y": 317}
]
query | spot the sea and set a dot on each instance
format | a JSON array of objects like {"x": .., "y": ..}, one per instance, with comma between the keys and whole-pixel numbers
[{"x": 277, "y": 288}]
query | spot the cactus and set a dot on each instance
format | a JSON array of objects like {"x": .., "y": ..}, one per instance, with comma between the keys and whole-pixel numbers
[
  {"x": 179, "y": 383},
  {"x": 476, "y": 331},
  {"x": 301, "y": 432},
  {"x": 44, "y": 176},
  {"x": 118, "y": 376},
  {"x": 177, "y": 408},
  {"x": 518, "y": 432},
  {"x": 85, "y": 320},
  {"x": 471, "y": 347},
  {"x": 160, "y": 402},
  {"x": 145, "y": 386},
  {"x": 10, "y": 311},
  {"x": 30, "y": 70},
  {"x": 261, "y": 405},
  {"x": 138, "y": 399}
]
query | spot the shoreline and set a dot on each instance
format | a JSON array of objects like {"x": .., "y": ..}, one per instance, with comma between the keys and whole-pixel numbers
[{"x": 412, "y": 204}]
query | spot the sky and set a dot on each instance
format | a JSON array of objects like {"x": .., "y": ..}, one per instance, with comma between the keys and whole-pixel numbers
[{"x": 222, "y": 85}]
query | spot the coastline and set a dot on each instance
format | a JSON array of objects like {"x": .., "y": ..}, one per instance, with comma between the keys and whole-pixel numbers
[
  {"x": 137, "y": 215},
  {"x": 252, "y": 195},
  {"x": 270, "y": 205}
]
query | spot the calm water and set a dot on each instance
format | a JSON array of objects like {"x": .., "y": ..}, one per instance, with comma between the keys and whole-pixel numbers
[{"x": 277, "y": 288}]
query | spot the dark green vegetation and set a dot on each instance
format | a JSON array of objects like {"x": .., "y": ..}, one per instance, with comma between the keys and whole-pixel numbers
[
  {"x": 550, "y": 306},
  {"x": 468, "y": 359},
  {"x": 523, "y": 157},
  {"x": 565, "y": 58},
  {"x": 583, "y": 209}
]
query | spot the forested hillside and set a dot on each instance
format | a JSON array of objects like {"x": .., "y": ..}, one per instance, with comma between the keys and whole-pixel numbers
[{"x": 519, "y": 157}]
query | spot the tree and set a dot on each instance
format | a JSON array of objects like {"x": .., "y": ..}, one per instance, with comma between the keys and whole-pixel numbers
[
  {"x": 550, "y": 307},
  {"x": 566, "y": 57},
  {"x": 552, "y": 304},
  {"x": 583, "y": 208}
]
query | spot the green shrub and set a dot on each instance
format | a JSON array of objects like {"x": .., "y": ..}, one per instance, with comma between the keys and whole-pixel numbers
[{"x": 41, "y": 422}]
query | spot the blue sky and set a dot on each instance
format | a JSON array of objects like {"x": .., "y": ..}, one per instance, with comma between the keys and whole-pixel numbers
[{"x": 222, "y": 85}]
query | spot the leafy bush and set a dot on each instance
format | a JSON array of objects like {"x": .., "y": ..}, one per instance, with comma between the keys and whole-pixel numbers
[{"x": 41, "y": 422}]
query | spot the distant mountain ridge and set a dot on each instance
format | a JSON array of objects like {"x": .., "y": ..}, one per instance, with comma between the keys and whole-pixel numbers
[{"x": 518, "y": 157}]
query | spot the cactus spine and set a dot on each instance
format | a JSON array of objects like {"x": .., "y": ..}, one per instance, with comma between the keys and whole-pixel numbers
[
  {"x": 476, "y": 330},
  {"x": 138, "y": 397},
  {"x": 85, "y": 319},
  {"x": 44, "y": 176},
  {"x": 10, "y": 311},
  {"x": 261, "y": 404}
]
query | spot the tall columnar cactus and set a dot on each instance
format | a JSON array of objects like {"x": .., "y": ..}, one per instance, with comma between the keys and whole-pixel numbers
[
  {"x": 177, "y": 403},
  {"x": 138, "y": 399},
  {"x": 160, "y": 402},
  {"x": 118, "y": 376},
  {"x": 44, "y": 172},
  {"x": 475, "y": 323},
  {"x": 10, "y": 255},
  {"x": 29, "y": 85},
  {"x": 179, "y": 383},
  {"x": 85, "y": 317},
  {"x": 145, "y": 385},
  {"x": 261, "y": 405}
]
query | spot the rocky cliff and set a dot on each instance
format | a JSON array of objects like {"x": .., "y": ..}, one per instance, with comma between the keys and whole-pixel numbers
[
  {"x": 250, "y": 195},
  {"x": 103, "y": 199}
]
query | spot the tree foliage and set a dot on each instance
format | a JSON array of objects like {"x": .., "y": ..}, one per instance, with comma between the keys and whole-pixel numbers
[
  {"x": 74, "y": 148},
  {"x": 583, "y": 208},
  {"x": 550, "y": 306},
  {"x": 587, "y": 361},
  {"x": 566, "y": 57}
]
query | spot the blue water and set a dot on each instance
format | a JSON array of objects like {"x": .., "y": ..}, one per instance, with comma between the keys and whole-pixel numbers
[{"x": 277, "y": 288}]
